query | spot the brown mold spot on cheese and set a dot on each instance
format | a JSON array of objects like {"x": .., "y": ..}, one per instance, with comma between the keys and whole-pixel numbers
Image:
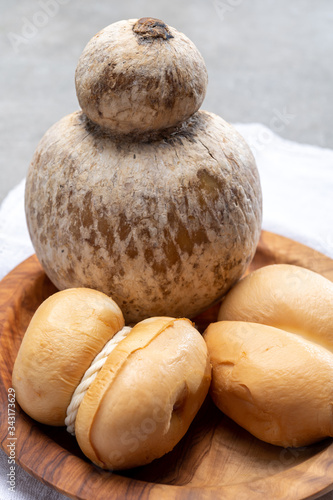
[
  {"x": 75, "y": 227},
  {"x": 124, "y": 227},
  {"x": 144, "y": 233},
  {"x": 86, "y": 212},
  {"x": 210, "y": 184},
  {"x": 184, "y": 239},
  {"x": 40, "y": 219},
  {"x": 152, "y": 84},
  {"x": 169, "y": 248},
  {"x": 200, "y": 237},
  {"x": 92, "y": 240},
  {"x": 149, "y": 255},
  {"x": 70, "y": 273},
  {"x": 131, "y": 249},
  {"x": 106, "y": 229}
]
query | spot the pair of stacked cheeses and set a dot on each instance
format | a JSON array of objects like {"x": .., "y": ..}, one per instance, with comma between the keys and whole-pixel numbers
[
  {"x": 143, "y": 394},
  {"x": 272, "y": 355}
]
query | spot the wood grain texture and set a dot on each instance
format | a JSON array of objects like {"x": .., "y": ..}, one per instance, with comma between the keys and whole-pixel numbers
[{"x": 215, "y": 460}]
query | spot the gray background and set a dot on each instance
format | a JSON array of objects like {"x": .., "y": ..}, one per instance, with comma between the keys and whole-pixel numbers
[{"x": 268, "y": 61}]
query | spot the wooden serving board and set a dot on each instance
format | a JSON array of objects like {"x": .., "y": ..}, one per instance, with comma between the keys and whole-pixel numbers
[{"x": 215, "y": 460}]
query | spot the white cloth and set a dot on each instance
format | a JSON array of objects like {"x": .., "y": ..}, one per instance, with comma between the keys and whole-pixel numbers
[{"x": 297, "y": 184}]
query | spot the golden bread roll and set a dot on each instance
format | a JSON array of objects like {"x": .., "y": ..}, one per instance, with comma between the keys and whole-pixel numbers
[
  {"x": 64, "y": 336},
  {"x": 285, "y": 296},
  {"x": 130, "y": 394},
  {"x": 275, "y": 384},
  {"x": 146, "y": 395}
]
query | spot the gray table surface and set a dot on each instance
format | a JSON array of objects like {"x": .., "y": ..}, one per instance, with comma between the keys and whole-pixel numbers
[{"x": 268, "y": 62}]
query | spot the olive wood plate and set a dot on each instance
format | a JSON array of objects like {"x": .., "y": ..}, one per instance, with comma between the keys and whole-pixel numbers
[{"x": 216, "y": 459}]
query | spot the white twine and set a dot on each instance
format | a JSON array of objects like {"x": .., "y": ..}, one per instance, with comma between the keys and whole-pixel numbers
[{"x": 90, "y": 376}]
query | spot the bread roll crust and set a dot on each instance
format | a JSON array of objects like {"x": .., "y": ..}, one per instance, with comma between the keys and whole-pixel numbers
[
  {"x": 146, "y": 395},
  {"x": 65, "y": 334},
  {"x": 275, "y": 384}
]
